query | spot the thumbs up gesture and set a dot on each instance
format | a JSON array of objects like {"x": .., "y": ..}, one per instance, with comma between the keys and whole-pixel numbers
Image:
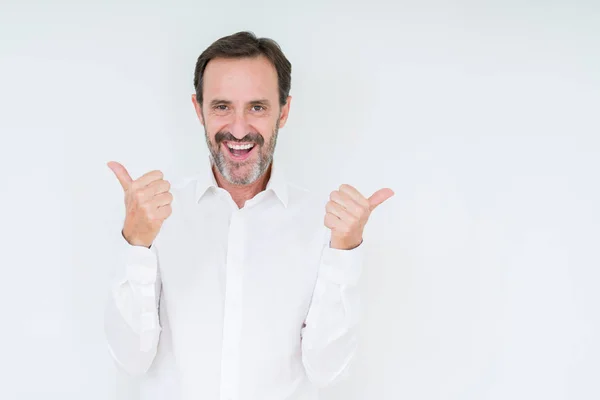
[
  {"x": 347, "y": 213},
  {"x": 147, "y": 204}
]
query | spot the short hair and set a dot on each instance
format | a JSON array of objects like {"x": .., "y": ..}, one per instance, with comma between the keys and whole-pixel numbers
[{"x": 243, "y": 45}]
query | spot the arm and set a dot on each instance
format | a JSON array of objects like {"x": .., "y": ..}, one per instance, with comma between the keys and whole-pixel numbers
[
  {"x": 131, "y": 321},
  {"x": 329, "y": 337}
]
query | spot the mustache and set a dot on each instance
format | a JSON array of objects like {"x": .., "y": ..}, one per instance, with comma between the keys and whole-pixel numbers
[{"x": 249, "y": 138}]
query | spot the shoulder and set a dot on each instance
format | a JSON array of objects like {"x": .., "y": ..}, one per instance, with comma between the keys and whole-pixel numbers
[
  {"x": 183, "y": 186},
  {"x": 182, "y": 182},
  {"x": 308, "y": 209},
  {"x": 308, "y": 203},
  {"x": 301, "y": 196},
  {"x": 183, "y": 189}
]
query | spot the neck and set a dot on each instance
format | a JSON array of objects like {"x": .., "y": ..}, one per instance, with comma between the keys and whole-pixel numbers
[{"x": 241, "y": 193}]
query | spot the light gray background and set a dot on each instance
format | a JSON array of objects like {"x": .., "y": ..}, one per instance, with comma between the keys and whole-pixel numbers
[{"x": 483, "y": 271}]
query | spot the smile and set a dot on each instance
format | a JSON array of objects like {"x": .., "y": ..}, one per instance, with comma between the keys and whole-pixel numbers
[{"x": 239, "y": 151}]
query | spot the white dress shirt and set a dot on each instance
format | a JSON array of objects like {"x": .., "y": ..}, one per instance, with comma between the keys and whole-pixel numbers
[{"x": 236, "y": 304}]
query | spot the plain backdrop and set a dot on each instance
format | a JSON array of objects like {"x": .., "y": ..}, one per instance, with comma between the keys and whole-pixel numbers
[{"x": 483, "y": 271}]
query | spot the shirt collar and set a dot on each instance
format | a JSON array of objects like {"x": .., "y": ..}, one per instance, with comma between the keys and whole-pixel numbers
[
  {"x": 277, "y": 184},
  {"x": 205, "y": 181}
]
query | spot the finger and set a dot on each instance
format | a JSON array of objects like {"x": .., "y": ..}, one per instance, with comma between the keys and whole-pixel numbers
[
  {"x": 159, "y": 186},
  {"x": 121, "y": 173},
  {"x": 354, "y": 195},
  {"x": 379, "y": 197},
  {"x": 148, "y": 193},
  {"x": 339, "y": 211},
  {"x": 332, "y": 222},
  {"x": 164, "y": 212},
  {"x": 162, "y": 199},
  {"x": 347, "y": 202},
  {"x": 147, "y": 179},
  {"x": 335, "y": 224}
]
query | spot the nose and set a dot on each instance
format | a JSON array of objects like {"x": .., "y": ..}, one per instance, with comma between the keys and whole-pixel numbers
[{"x": 239, "y": 126}]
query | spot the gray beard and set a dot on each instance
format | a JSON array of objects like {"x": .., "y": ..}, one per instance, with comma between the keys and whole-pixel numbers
[{"x": 226, "y": 167}]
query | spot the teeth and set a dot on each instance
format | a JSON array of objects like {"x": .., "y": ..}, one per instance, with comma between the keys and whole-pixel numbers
[{"x": 240, "y": 146}]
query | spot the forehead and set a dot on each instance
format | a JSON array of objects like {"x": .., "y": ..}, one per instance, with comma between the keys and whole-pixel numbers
[{"x": 242, "y": 79}]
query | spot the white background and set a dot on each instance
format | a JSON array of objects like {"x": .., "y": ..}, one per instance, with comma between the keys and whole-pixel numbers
[{"x": 483, "y": 271}]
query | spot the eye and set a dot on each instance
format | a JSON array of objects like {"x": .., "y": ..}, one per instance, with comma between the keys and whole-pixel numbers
[
  {"x": 220, "y": 107},
  {"x": 257, "y": 108}
]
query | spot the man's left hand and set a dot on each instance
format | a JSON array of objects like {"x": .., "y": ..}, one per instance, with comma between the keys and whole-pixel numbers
[{"x": 347, "y": 214}]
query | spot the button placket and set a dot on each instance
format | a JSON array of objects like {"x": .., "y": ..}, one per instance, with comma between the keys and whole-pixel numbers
[{"x": 232, "y": 317}]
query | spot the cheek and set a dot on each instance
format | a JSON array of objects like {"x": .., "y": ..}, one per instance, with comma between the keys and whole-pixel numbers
[
  {"x": 212, "y": 127},
  {"x": 210, "y": 133},
  {"x": 265, "y": 127}
]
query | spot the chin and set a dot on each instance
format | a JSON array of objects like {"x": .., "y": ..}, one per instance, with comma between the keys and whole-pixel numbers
[{"x": 248, "y": 176}]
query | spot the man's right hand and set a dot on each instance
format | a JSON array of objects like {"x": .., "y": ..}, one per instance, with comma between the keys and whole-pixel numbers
[{"x": 147, "y": 204}]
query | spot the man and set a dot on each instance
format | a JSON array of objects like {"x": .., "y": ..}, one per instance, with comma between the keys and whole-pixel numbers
[{"x": 235, "y": 283}]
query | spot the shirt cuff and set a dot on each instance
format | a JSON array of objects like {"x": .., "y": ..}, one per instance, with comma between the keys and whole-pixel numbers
[
  {"x": 342, "y": 267},
  {"x": 141, "y": 263}
]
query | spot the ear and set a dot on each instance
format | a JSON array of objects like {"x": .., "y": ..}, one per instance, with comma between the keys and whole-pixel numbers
[
  {"x": 285, "y": 111},
  {"x": 198, "y": 108}
]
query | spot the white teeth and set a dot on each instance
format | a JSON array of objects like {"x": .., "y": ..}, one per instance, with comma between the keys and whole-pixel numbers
[{"x": 240, "y": 146}]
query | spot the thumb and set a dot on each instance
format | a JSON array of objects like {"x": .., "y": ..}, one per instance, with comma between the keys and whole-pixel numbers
[
  {"x": 379, "y": 197},
  {"x": 121, "y": 174}
]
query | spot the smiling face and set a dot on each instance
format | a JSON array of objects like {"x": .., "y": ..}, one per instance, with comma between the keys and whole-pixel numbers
[{"x": 241, "y": 115}]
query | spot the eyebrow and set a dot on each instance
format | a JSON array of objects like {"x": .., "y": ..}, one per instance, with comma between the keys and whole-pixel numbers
[
  {"x": 260, "y": 101},
  {"x": 216, "y": 102}
]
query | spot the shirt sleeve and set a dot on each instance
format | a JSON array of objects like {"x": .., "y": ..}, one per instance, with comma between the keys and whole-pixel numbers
[
  {"x": 131, "y": 320},
  {"x": 329, "y": 337}
]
